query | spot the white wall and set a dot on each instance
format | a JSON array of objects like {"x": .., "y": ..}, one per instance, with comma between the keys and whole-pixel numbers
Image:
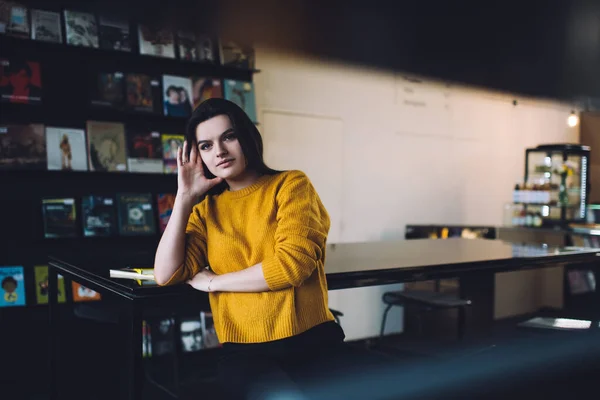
[{"x": 396, "y": 152}]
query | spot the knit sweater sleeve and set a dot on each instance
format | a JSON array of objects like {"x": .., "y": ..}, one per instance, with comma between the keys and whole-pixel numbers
[
  {"x": 195, "y": 248},
  {"x": 300, "y": 236}
]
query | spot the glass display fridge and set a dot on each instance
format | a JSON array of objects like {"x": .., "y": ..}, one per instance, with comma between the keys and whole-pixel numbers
[{"x": 555, "y": 186}]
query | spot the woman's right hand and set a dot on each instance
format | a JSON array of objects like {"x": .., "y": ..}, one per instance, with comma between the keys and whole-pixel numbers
[{"x": 191, "y": 180}]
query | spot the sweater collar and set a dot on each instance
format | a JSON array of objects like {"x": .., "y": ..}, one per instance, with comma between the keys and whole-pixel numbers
[{"x": 248, "y": 189}]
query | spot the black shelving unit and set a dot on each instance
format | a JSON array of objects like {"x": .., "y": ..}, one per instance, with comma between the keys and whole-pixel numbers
[{"x": 67, "y": 73}]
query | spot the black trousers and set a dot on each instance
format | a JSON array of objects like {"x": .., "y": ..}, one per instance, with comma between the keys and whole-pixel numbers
[{"x": 283, "y": 367}]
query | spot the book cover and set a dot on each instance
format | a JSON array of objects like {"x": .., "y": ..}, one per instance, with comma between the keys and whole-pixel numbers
[
  {"x": 81, "y": 29},
  {"x": 164, "y": 203},
  {"x": 170, "y": 143},
  {"x": 177, "y": 96},
  {"x": 22, "y": 147},
  {"x": 242, "y": 94},
  {"x": 237, "y": 55},
  {"x": 12, "y": 280},
  {"x": 99, "y": 216},
  {"x": 136, "y": 214},
  {"x": 106, "y": 146},
  {"x": 65, "y": 149},
  {"x": 108, "y": 90},
  {"x": 20, "y": 81},
  {"x": 144, "y": 151},
  {"x": 41, "y": 285},
  {"x": 82, "y": 293},
  {"x": 156, "y": 42},
  {"x": 191, "y": 334},
  {"x": 114, "y": 33},
  {"x": 143, "y": 92},
  {"x": 45, "y": 26},
  {"x": 60, "y": 218},
  {"x": 18, "y": 21},
  {"x": 205, "y": 88}
]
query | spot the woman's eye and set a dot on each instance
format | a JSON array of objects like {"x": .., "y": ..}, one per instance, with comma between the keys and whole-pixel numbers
[
  {"x": 230, "y": 137},
  {"x": 204, "y": 146}
]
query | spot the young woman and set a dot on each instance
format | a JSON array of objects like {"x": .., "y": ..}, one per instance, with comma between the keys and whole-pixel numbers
[{"x": 254, "y": 239}]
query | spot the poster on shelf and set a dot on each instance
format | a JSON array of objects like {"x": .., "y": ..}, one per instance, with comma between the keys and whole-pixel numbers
[
  {"x": 60, "y": 217},
  {"x": 170, "y": 143},
  {"x": 65, "y": 149},
  {"x": 144, "y": 149}
]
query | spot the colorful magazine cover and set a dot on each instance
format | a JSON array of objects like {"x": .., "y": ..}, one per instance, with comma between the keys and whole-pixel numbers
[
  {"x": 156, "y": 42},
  {"x": 114, "y": 33},
  {"x": 22, "y": 147},
  {"x": 144, "y": 151},
  {"x": 41, "y": 285},
  {"x": 205, "y": 88},
  {"x": 98, "y": 216},
  {"x": 66, "y": 149},
  {"x": 136, "y": 214},
  {"x": 45, "y": 26},
  {"x": 12, "y": 281},
  {"x": 143, "y": 92},
  {"x": 165, "y": 203},
  {"x": 242, "y": 94},
  {"x": 81, "y": 29},
  {"x": 60, "y": 217},
  {"x": 106, "y": 146},
  {"x": 18, "y": 20},
  {"x": 82, "y": 293},
  {"x": 177, "y": 92},
  {"x": 20, "y": 81},
  {"x": 170, "y": 144}
]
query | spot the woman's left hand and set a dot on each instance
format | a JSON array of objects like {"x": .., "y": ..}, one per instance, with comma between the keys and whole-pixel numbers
[{"x": 202, "y": 281}]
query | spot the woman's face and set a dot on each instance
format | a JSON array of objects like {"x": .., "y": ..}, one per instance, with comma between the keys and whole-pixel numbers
[{"x": 219, "y": 148}]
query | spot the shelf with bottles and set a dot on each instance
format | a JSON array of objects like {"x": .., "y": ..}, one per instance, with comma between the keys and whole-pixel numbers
[
  {"x": 544, "y": 194},
  {"x": 538, "y": 215}
]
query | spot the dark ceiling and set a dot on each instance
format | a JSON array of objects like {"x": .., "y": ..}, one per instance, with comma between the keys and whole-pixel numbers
[{"x": 548, "y": 48}]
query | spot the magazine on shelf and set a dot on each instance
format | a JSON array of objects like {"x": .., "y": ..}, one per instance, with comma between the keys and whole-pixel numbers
[
  {"x": 82, "y": 293},
  {"x": 170, "y": 144},
  {"x": 20, "y": 81},
  {"x": 204, "y": 88},
  {"x": 144, "y": 149},
  {"x": 143, "y": 93},
  {"x": 106, "y": 146},
  {"x": 98, "y": 216},
  {"x": 65, "y": 148},
  {"x": 114, "y": 33},
  {"x": 41, "y": 285},
  {"x": 136, "y": 214},
  {"x": 236, "y": 55},
  {"x": 81, "y": 29},
  {"x": 108, "y": 90},
  {"x": 45, "y": 26},
  {"x": 156, "y": 42},
  {"x": 14, "y": 19},
  {"x": 12, "y": 289},
  {"x": 177, "y": 92},
  {"x": 242, "y": 94},
  {"x": 60, "y": 217},
  {"x": 22, "y": 147}
]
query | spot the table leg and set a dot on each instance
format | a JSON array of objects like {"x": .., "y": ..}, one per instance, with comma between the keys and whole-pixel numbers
[
  {"x": 134, "y": 362},
  {"x": 52, "y": 332}
]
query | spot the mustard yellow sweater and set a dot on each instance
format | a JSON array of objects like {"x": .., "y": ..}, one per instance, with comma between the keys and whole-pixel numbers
[{"x": 281, "y": 222}]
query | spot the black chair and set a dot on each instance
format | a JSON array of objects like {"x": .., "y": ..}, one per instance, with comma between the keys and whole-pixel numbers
[
  {"x": 426, "y": 301},
  {"x": 337, "y": 315}
]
